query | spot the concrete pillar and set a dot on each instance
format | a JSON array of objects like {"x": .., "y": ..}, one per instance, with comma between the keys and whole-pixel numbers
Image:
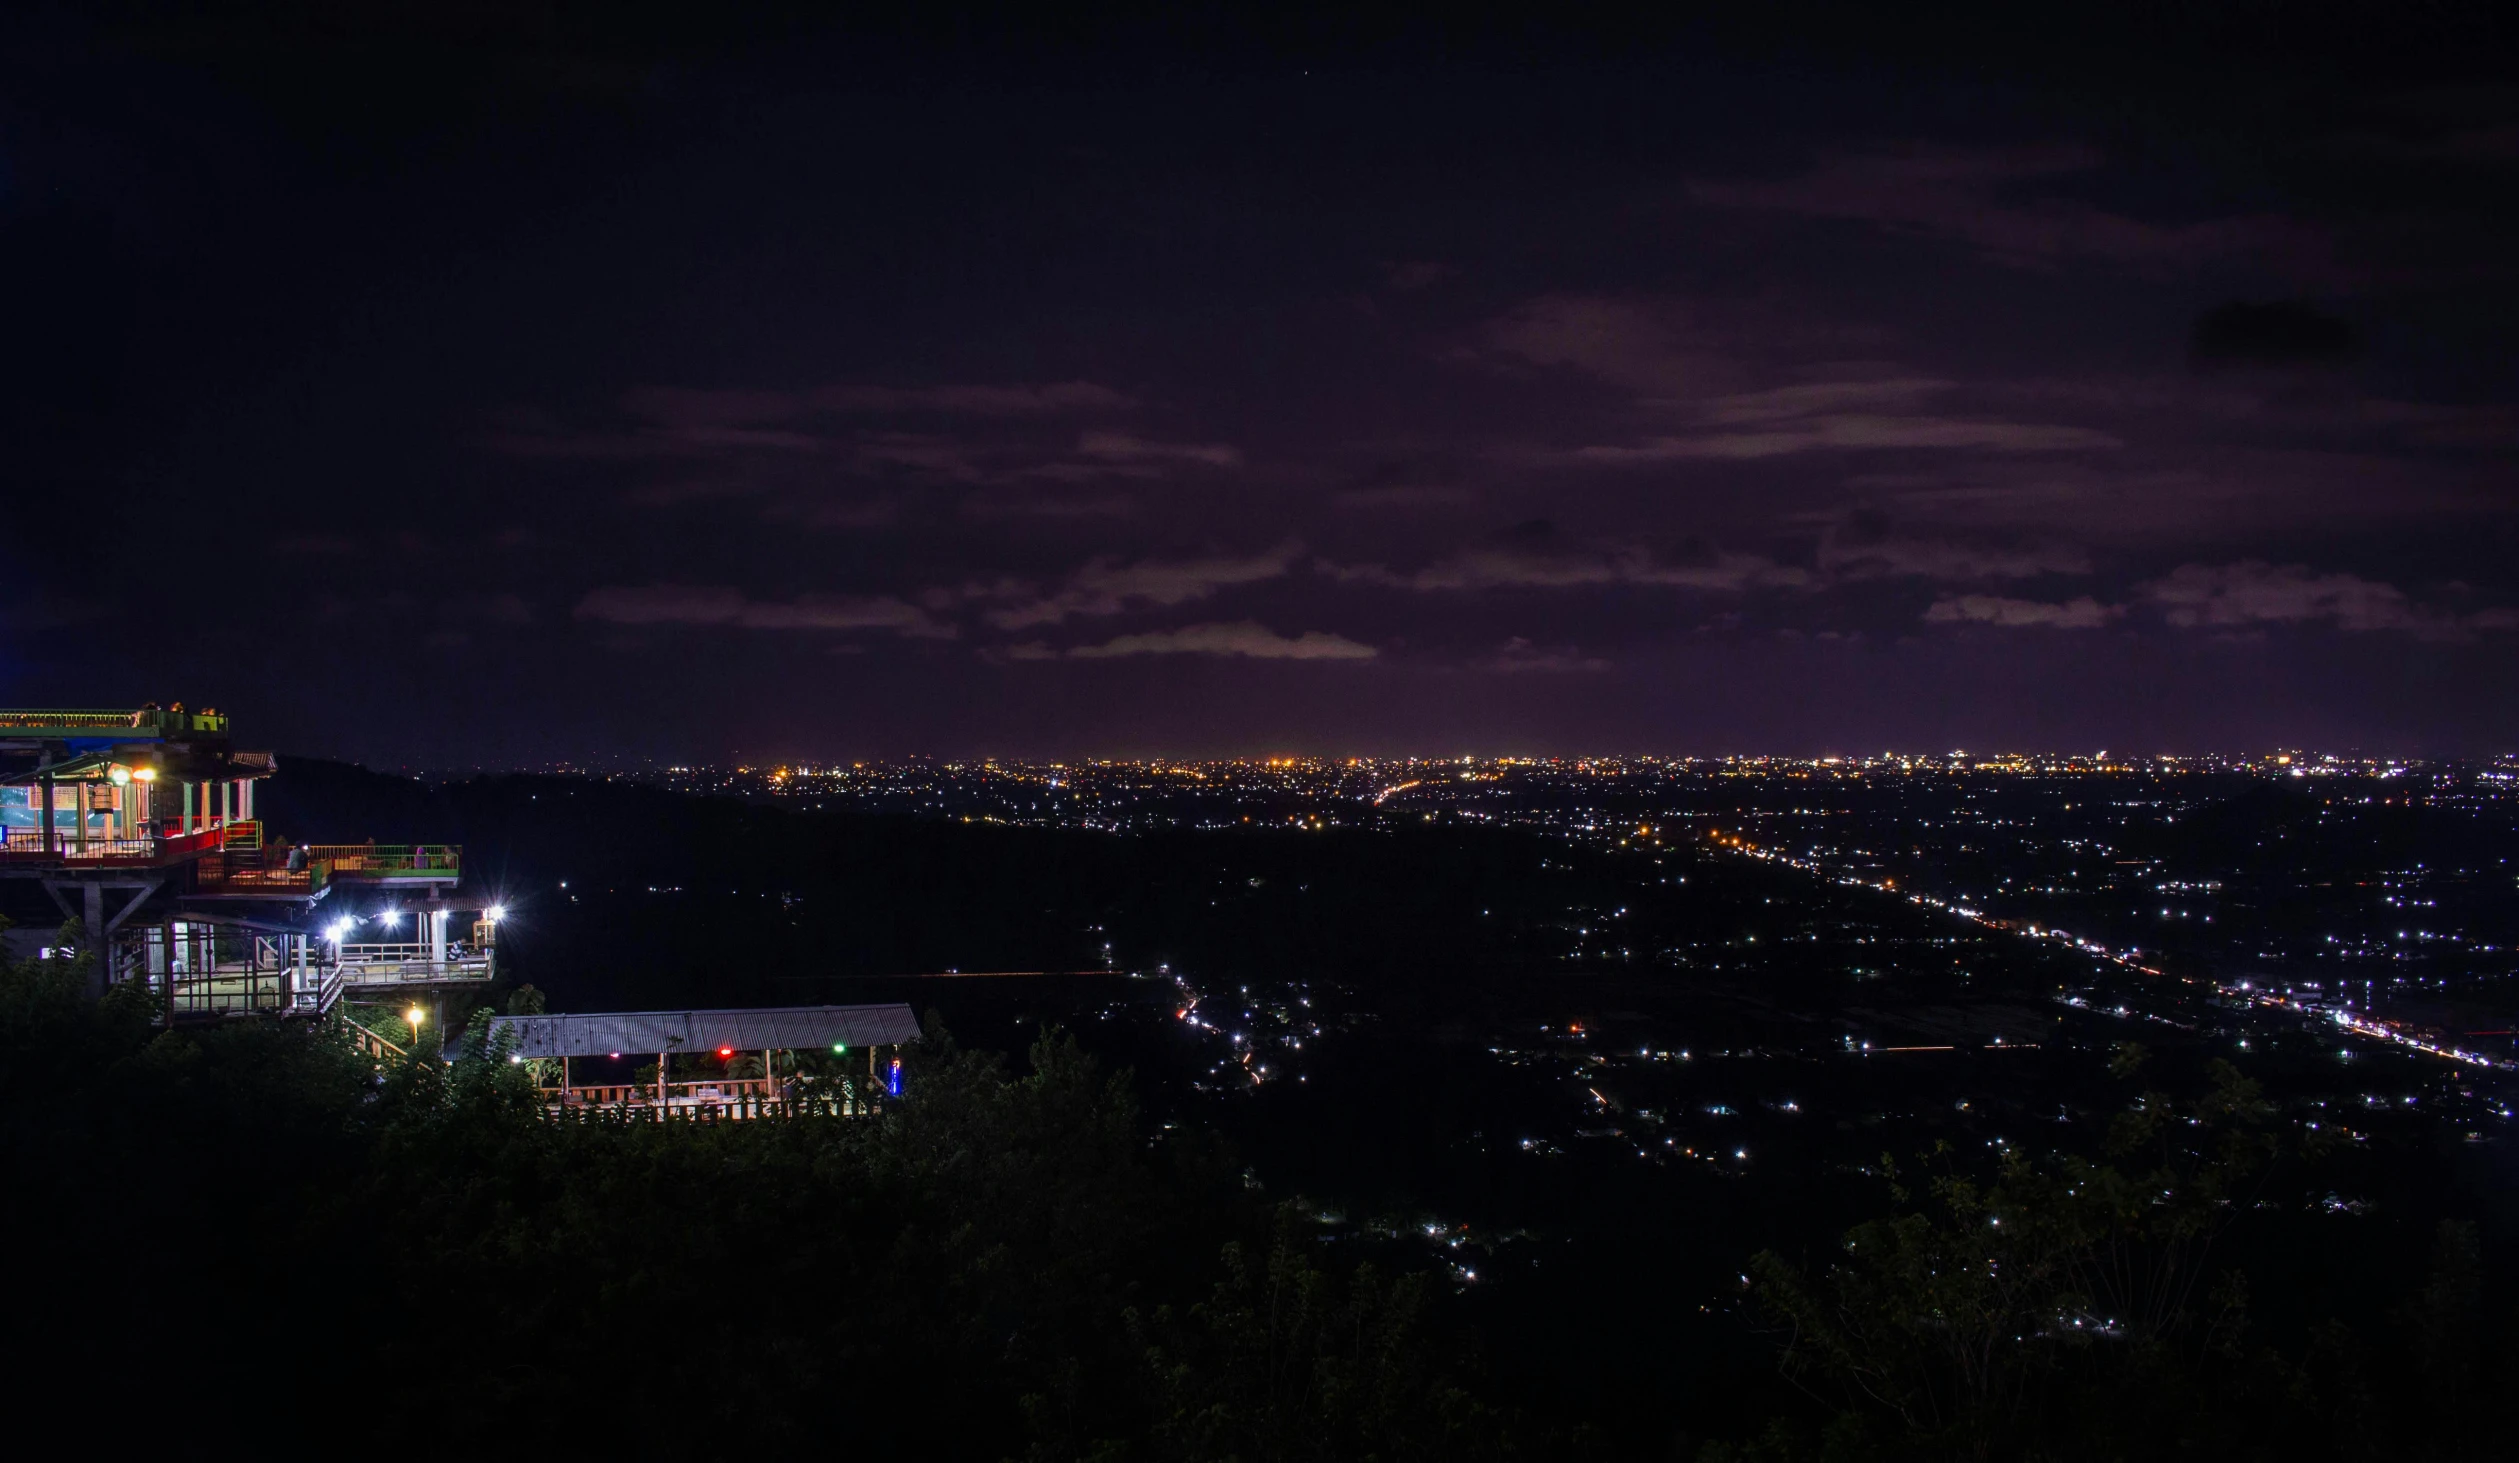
[
  {"x": 100, "y": 969},
  {"x": 437, "y": 943}
]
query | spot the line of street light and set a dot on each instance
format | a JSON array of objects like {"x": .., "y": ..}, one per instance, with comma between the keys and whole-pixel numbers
[{"x": 2360, "y": 1026}]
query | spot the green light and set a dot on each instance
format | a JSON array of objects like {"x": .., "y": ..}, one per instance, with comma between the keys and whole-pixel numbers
[{"x": 839, "y": 1046}]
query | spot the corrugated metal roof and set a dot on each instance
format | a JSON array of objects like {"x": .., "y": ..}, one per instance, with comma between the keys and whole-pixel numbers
[{"x": 788, "y": 1028}]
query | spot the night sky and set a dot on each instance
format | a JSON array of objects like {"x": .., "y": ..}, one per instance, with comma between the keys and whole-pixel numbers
[{"x": 441, "y": 388}]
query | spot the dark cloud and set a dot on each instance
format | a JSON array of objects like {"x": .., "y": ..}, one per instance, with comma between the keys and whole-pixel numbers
[
  {"x": 2271, "y": 333},
  {"x": 1107, "y": 588},
  {"x": 2017, "y": 206},
  {"x": 1535, "y": 556},
  {"x": 1519, "y": 656},
  {"x": 718, "y": 606},
  {"x": 2253, "y": 594},
  {"x": 1243, "y": 638},
  {"x": 1866, "y": 544},
  {"x": 2083, "y": 613}
]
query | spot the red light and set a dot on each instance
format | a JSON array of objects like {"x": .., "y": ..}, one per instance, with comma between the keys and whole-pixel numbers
[{"x": 725, "y": 1051}]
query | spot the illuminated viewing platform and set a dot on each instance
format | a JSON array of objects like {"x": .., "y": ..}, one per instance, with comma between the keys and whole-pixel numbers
[
  {"x": 389, "y": 863},
  {"x": 250, "y": 870},
  {"x": 140, "y": 824},
  {"x": 433, "y": 958}
]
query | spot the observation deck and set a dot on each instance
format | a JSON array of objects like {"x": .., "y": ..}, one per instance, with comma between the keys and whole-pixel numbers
[
  {"x": 304, "y": 871},
  {"x": 377, "y": 965},
  {"x": 140, "y": 824}
]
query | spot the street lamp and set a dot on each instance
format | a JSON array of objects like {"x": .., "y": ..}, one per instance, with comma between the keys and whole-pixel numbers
[{"x": 415, "y": 1016}]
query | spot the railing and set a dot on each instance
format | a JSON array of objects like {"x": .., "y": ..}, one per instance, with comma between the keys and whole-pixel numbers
[
  {"x": 409, "y": 950},
  {"x": 395, "y": 964},
  {"x": 264, "y": 991},
  {"x": 27, "y": 845},
  {"x": 245, "y": 835},
  {"x": 732, "y": 1099},
  {"x": 204, "y": 970},
  {"x": 370, "y": 1043},
  {"x": 95, "y": 722},
  {"x": 205, "y": 835},
  {"x": 328, "y": 990},
  {"x": 254, "y": 873},
  {"x": 71, "y": 845},
  {"x": 388, "y": 860}
]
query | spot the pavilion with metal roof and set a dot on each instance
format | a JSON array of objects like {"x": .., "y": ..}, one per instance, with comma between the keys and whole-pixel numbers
[{"x": 548, "y": 1042}]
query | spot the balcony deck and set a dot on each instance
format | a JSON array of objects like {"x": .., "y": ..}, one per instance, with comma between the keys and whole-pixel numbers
[
  {"x": 368, "y": 966},
  {"x": 256, "y": 872},
  {"x": 24, "y": 849},
  {"x": 388, "y": 863}
]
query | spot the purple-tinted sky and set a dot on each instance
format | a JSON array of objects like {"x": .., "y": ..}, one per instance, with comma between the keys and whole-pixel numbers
[{"x": 458, "y": 396}]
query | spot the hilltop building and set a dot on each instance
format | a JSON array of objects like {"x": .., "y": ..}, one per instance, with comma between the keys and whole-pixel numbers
[{"x": 141, "y": 825}]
